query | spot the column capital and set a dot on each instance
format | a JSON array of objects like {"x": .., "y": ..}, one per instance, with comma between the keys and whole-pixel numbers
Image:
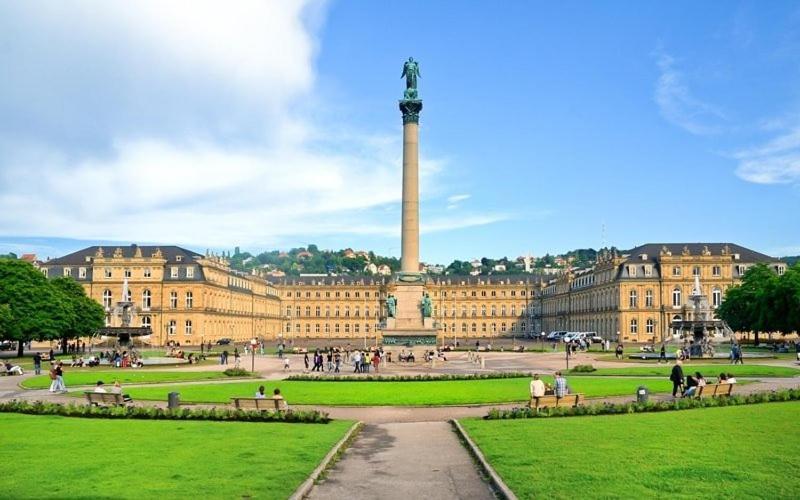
[{"x": 410, "y": 109}]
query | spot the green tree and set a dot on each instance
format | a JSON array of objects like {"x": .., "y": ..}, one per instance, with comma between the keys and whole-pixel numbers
[
  {"x": 86, "y": 315},
  {"x": 34, "y": 308},
  {"x": 751, "y": 305}
]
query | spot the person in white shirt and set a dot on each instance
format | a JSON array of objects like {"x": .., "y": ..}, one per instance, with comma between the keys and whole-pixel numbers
[
  {"x": 99, "y": 387},
  {"x": 260, "y": 393},
  {"x": 537, "y": 387}
]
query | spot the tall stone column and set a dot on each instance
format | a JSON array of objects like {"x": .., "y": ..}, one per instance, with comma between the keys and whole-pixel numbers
[{"x": 409, "y": 258}]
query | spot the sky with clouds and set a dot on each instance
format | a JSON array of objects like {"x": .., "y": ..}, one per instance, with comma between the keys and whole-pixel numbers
[{"x": 273, "y": 124}]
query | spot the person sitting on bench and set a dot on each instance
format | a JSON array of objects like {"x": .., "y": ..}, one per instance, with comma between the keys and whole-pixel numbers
[
  {"x": 260, "y": 393},
  {"x": 117, "y": 389},
  {"x": 12, "y": 370},
  {"x": 99, "y": 387}
]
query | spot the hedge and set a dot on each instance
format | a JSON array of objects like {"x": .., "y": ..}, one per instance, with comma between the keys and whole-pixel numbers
[
  {"x": 408, "y": 378},
  {"x": 154, "y": 413},
  {"x": 622, "y": 408}
]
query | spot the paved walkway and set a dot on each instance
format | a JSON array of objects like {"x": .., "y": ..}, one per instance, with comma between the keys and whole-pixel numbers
[{"x": 400, "y": 460}]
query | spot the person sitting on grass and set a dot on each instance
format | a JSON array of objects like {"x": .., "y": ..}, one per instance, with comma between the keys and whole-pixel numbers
[{"x": 260, "y": 393}]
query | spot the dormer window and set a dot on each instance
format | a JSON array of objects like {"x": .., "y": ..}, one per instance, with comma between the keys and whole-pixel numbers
[
  {"x": 190, "y": 272},
  {"x": 173, "y": 272},
  {"x": 178, "y": 258},
  {"x": 67, "y": 271},
  {"x": 648, "y": 270},
  {"x": 82, "y": 272}
]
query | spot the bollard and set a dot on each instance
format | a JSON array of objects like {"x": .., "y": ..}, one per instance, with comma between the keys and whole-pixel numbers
[
  {"x": 483, "y": 362},
  {"x": 173, "y": 400},
  {"x": 642, "y": 394}
]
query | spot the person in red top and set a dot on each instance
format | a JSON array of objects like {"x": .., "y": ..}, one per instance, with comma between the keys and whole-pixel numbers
[{"x": 376, "y": 360}]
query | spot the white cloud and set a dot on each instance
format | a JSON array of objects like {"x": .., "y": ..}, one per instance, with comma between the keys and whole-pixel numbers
[
  {"x": 776, "y": 162},
  {"x": 454, "y": 201},
  {"x": 677, "y": 104},
  {"x": 241, "y": 165}
]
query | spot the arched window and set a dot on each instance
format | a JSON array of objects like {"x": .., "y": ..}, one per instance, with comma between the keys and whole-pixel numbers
[
  {"x": 676, "y": 296},
  {"x": 474, "y": 311},
  {"x": 308, "y": 328},
  {"x": 650, "y": 326},
  {"x": 107, "y": 298},
  {"x": 463, "y": 311},
  {"x": 146, "y": 299},
  {"x": 347, "y": 328},
  {"x": 188, "y": 330},
  {"x": 483, "y": 310},
  {"x": 316, "y": 311},
  {"x": 463, "y": 328},
  {"x": 633, "y": 299},
  {"x": 474, "y": 327},
  {"x": 494, "y": 310},
  {"x": 716, "y": 297},
  {"x": 634, "y": 326}
]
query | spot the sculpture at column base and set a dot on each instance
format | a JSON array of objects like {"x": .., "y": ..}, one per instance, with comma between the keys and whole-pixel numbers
[{"x": 407, "y": 277}]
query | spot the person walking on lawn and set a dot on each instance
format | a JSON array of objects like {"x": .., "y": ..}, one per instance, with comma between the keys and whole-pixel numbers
[{"x": 677, "y": 378}]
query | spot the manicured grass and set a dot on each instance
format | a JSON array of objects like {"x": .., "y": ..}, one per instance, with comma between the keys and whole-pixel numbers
[
  {"x": 62, "y": 457},
  {"x": 432, "y": 393},
  {"x": 90, "y": 376},
  {"x": 707, "y": 370},
  {"x": 728, "y": 452}
]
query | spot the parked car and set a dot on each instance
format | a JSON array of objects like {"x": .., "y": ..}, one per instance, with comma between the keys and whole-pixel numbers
[
  {"x": 595, "y": 338},
  {"x": 556, "y": 335},
  {"x": 224, "y": 341},
  {"x": 7, "y": 345}
]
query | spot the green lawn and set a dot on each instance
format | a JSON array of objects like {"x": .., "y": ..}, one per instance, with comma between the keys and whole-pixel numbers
[
  {"x": 61, "y": 457},
  {"x": 728, "y": 452},
  {"x": 90, "y": 376},
  {"x": 451, "y": 392},
  {"x": 707, "y": 370}
]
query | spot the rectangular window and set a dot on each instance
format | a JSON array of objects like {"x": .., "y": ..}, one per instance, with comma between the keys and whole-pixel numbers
[
  {"x": 44, "y": 271},
  {"x": 716, "y": 271},
  {"x": 127, "y": 273},
  {"x": 190, "y": 272},
  {"x": 67, "y": 271},
  {"x": 173, "y": 300},
  {"x": 648, "y": 271},
  {"x": 107, "y": 272},
  {"x": 173, "y": 272},
  {"x": 82, "y": 272},
  {"x": 147, "y": 273}
]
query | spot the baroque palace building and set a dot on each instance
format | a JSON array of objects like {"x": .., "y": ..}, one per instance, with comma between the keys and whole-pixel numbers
[
  {"x": 335, "y": 307},
  {"x": 187, "y": 297},
  {"x": 636, "y": 297},
  {"x": 180, "y": 295}
]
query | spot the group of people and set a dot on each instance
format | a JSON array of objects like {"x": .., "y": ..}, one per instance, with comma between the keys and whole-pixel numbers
[
  {"x": 560, "y": 387},
  {"x": 736, "y": 354},
  {"x": 115, "y": 389},
  {"x": 57, "y": 377},
  {"x": 333, "y": 358},
  {"x": 688, "y": 386},
  {"x": 78, "y": 361},
  {"x": 261, "y": 394}
]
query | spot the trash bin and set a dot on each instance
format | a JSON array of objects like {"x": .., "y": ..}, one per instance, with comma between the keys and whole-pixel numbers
[
  {"x": 173, "y": 400},
  {"x": 642, "y": 393}
]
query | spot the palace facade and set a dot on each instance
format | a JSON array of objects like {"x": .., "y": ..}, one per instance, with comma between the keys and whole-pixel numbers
[
  {"x": 180, "y": 295},
  {"x": 188, "y": 297},
  {"x": 636, "y": 297}
]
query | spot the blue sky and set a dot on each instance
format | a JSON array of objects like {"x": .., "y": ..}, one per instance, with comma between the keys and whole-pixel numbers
[{"x": 267, "y": 125}]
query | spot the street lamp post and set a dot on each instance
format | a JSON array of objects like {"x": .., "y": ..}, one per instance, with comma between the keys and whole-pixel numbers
[{"x": 253, "y": 343}]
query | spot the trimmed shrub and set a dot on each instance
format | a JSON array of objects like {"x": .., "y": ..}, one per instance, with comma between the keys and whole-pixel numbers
[
  {"x": 155, "y": 413},
  {"x": 237, "y": 372},
  {"x": 656, "y": 406},
  {"x": 583, "y": 369}
]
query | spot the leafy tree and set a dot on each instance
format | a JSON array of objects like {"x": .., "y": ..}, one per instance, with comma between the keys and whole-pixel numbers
[
  {"x": 34, "y": 308},
  {"x": 86, "y": 314},
  {"x": 752, "y": 305}
]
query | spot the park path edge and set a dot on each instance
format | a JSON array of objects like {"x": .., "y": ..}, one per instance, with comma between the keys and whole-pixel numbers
[
  {"x": 305, "y": 488},
  {"x": 500, "y": 487}
]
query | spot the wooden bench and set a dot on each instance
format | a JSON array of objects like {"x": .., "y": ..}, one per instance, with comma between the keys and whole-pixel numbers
[
  {"x": 714, "y": 390},
  {"x": 105, "y": 398},
  {"x": 553, "y": 401},
  {"x": 261, "y": 404}
]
